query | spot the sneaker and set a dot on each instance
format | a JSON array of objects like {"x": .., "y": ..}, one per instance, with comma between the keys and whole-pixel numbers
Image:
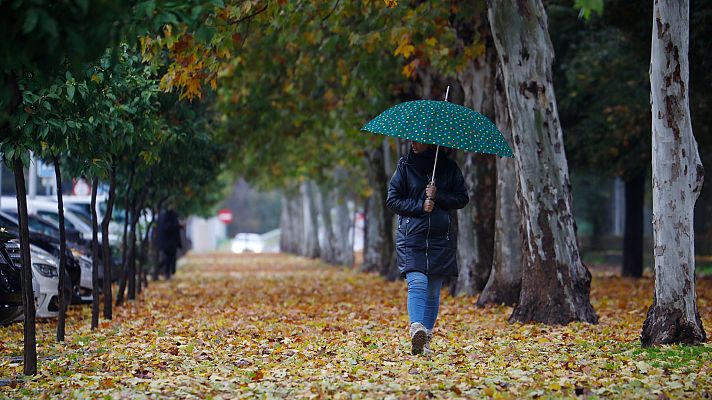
[
  {"x": 418, "y": 336},
  {"x": 426, "y": 348}
]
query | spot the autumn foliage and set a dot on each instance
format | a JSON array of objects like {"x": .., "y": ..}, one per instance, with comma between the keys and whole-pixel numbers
[{"x": 282, "y": 326}]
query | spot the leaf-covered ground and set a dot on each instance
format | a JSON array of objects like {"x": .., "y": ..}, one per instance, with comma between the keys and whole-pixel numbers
[{"x": 275, "y": 326}]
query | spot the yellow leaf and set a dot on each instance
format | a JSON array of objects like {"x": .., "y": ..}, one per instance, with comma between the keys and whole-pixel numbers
[
  {"x": 480, "y": 49},
  {"x": 405, "y": 47},
  {"x": 409, "y": 70}
]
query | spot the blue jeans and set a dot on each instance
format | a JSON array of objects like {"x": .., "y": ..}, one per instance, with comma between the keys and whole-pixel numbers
[{"x": 423, "y": 298}]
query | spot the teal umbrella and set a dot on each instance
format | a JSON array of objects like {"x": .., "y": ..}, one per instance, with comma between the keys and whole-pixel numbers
[{"x": 443, "y": 124}]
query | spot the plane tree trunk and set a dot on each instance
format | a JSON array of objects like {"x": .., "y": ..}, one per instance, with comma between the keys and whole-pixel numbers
[
  {"x": 677, "y": 182},
  {"x": 505, "y": 279},
  {"x": 555, "y": 282}
]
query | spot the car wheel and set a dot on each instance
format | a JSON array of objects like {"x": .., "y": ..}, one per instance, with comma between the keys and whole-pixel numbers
[{"x": 9, "y": 313}]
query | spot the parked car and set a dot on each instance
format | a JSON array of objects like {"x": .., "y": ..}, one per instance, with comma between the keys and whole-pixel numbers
[
  {"x": 86, "y": 287},
  {"x": 81, "y": 207},
  {"x": 247, "y": 243},
  {"x": 35, "y": 223},
  {"x": 78, "y": 270},
  {"x": 10, "y": 288},
  {"x": 45, "y": 271},
  {"x": 48, "y": 209}
]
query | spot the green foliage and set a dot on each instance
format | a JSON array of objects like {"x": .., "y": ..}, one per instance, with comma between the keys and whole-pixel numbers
[
  {"x": 603, "y": 95},
  {"x": 586, "y": 7},
  {"x": 43, "y": 37},
  {"x": 296, "y": 80}
]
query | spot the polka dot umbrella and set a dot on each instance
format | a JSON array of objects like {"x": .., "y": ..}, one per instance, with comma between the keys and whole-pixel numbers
[{"x": 443, "y": 124}]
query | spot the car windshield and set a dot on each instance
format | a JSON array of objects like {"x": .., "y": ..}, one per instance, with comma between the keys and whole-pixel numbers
[
  {"x": 8, "y": 221},
  {"x": 43, "y": 225},
  {"x": 82, "y": 215}
]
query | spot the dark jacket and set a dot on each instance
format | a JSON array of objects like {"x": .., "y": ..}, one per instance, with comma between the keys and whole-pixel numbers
[
  {"x": 168, "y": 235},
  {"x": 425, "y": 241}
]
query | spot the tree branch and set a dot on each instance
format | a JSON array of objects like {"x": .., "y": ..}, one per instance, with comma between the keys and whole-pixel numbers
[
  {"x": 246, "y": 17},
  {"x": 331, "y": 12}
]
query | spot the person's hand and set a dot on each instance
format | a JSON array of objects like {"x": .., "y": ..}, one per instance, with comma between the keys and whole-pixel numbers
[
  {"x": 430, "y": 191},
  {"x": 428, "y": 205}
]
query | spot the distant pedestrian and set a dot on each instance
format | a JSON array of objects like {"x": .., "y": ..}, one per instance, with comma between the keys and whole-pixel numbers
[
  {"x": 168, "y": 239},
  {"x": 425, "y": 244}
]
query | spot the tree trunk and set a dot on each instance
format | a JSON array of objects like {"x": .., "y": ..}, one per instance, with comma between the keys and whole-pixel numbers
[
  {"x": 378, "y": 232},
  {"x": 555, "y": 283},
  {"x": 475, "y": 225},
  {"x": 139, "y": 259},
  {"x": 342, "y": 226},
  {"x": 62, "y": 252},
  {"x": 124, "y": 251},
  {"x": 475, "y": 222},
  {"x": 106, "y": 250},
  {"x": 310, "y": 245},
  {"x": 28, "y": 297},
  {"x": 128, "y": 252},
  {"x": 131, "y": 256},
  {"x": 292, "y": 223},
  {"x": 146, "y": 248},
  {"x": 328, "y": 245},
  {"x": 633, "y": 229},
  {"x": 677, "y": 182},
  {"x": 152, "y": 243},
  {"x": 505, "y": 280},
  {"x": 127, "y": 197},
  {"x": 94, "y": 256},
  {"x": 136, "y": 209}
]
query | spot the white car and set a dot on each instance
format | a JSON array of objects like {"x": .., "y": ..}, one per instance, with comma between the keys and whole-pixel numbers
[
  {"x": 77, "y": 213},
  {"x": 81, "y": 205},
  {"x": 85, "y": 280},
  {"x": 247, "y": 243},
  {"x": 48, "y": 209},
  {"x": 45, "y": 280}
]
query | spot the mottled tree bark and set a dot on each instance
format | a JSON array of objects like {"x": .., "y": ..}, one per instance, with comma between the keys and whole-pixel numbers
[
  {"x": 328, "y": 244},
  {"x": 291, "y": 223},
  {"x": 677, "y": 182},
  {"x": 555, "y": 283},
  {"x": 310, "y": 245},
  {"x": 476, "y": 220},
  {"x": 341, "y": 230},
  {"x": 505, "y": 280},
  {"x": 378, "y": 232}
]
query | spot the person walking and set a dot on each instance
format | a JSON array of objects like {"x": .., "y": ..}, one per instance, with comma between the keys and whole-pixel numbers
[
  {"x": 168, "y": 240},
  {"x": 426, "y": 246}
]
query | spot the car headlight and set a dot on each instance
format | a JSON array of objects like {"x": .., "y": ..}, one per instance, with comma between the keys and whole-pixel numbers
[{"x": 46, "y": 270}]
